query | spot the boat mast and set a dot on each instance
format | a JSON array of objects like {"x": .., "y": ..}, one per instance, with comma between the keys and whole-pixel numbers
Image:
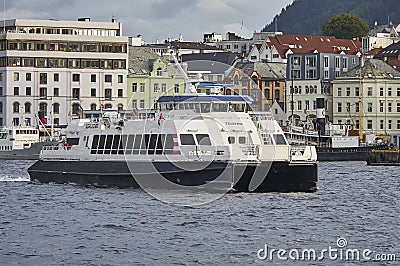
[{"x": 360, "y": 131}]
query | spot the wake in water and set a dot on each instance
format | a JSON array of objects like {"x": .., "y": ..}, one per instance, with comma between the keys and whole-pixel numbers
[{"x": 14, "y": 178}]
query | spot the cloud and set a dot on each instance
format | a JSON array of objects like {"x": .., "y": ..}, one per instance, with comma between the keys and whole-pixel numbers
[{"x": 157, "y": 19}]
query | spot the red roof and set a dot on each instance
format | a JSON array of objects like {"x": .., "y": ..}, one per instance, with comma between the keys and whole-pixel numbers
[{"x": 308, "y": 44}]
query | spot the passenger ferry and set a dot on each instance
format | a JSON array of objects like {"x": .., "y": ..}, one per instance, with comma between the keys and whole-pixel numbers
[
  {"x": 20, "y": 143},
  {"x": 193, "y": 140}
]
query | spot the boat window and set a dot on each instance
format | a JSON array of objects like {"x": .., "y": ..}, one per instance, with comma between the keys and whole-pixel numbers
[
  {"x": 152, "y": 143},
  {"x": 73, "y": 141},
  {"x": 122, "y": 144},
  {"x": 160, "y": 142},
  {"x": 181, "y": 106},
  {"x": 102, "y": 142},
  {"x": 3, "y": 135},
  {"x": 242, "y": 140},
  {"x": 279, "y": 139},
  {"x": 115, "y": 144},
  {"x": 129, "y": 144},
  {"x": 231, "y": 140},
  {"x": 95, "y": 143},
  {"x": 145, "y": 144},
  {"x": 138, "y": 141},
  {"x": 205, "y": 107},
  {"x": 169, "y": 144},
  {"x": 236, "y": 107},
  {"x": 203, "y": 139},
  {"x": 187, "y": 139},
  {"x": 219, "y": 107},
  {"x": 109, "y": 140}
]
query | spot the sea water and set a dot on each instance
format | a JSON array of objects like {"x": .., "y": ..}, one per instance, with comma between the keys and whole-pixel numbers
[{"x": 357, "y": 208}]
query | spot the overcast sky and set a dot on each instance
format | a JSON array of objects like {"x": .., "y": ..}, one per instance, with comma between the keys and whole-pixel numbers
[{"x": 157, "y": 19}]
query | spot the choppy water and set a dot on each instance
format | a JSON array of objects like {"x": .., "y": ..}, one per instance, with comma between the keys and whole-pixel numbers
[{"x": 72, "y": 225}]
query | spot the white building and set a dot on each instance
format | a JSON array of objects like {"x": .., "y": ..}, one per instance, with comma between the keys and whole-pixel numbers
[
  {"x": 60, "y": 68},
  {"x": 380, "y": 96}
]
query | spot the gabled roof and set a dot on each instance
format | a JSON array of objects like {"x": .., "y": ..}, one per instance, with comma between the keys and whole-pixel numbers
[
  {"x": 217, "y": 63},
  {"x": 269, "y": 71},
  {"x": 310, "y": 44},
  {"x": 372, "y": 68},
  {"x": 140, "y": 59}
]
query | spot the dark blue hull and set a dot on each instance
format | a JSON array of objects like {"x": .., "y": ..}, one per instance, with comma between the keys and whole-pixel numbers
[{"x": 273, "y": 177}]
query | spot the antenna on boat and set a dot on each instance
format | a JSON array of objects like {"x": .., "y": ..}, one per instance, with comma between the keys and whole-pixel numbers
[{"x": 191, "y": 84}]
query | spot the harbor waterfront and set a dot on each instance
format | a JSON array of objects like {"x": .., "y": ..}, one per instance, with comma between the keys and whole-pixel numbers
[{"x": 52, "y": 224}]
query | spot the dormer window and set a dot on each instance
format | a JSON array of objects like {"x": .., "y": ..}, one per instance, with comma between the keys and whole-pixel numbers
[{"x": 159, "y": 72}]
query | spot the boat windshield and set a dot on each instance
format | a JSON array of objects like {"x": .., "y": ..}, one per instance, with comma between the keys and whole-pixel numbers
[{"x": 201, "y": 107}]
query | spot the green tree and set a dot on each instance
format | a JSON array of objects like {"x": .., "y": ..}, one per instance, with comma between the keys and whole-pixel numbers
[{"x": 345, "y": 26}]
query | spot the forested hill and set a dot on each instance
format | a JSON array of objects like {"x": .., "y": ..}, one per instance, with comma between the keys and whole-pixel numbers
[{"x": 307, "y": 16}]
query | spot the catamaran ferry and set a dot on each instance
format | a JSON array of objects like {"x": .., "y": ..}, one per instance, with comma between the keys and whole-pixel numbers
[{"x": 191, "y": 141}]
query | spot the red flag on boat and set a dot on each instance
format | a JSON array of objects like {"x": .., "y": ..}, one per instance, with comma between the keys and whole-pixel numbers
[{"x": 161, "y": 117}]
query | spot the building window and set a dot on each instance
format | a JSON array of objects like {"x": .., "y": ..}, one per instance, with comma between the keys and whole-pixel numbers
[
  {"x": 369, "y": 124},
  {"x": 108, "y": 94},
  {"x": 357, "y": 107},
  {"x": 381, "y": 92},
  {"x": 266, "y": 94},
  {"x": 43, "y": 78},
  {"x": 120, "y": 93},
  {"x": 381, "y": 106},
  {"x": 398, "y": 92},
  {"x": 1, "y": 107},
  {"x": 56, "y": 77},
  {"x": 356, "y": 91},
  {"x": 16, "y": 107},
  {"x": 339, "y": 107},
  {"x": 76, "y": 77},
  {"x": 389, "y": 124},
  {"x": 326, "y": 61},
  {"x": 326, "y": 74},
  {"x": 120, "y": 107},
  {"x": 348, "y": 91},
  {"x": 93, "y": 78},
  {"x": 27, "y": 107},
  {"x": 398, "y": 107},
  {"x": 176, "y": 88},
  {"x": 75, "y": 93},
  {"x": 134, "y": 104},
  {"x": 43, "y": 92},
  {"x": 389, "y": 92},
  {"x": 76, "y": 109},
  {"x": 398, "y": 124},
  {"x": 369, "y": 92},
  {"x": 56, "y": 108},
  {"x": 389, "y": 107},
  {"x": 93, "y": 107},
  {"x": 141, "y": 105},
  {"x": 299, "y": 107},
  {"x": 163, "y": 87},
  {"x": 1, "y": 91},
  {"x": 369, "y": 107},
  {"x": 307, "y": 103},
  {"x": 277, "y": 95},
  {"x": 16, "y": 76},
  {"x": 141, "y": 87},
  {"x": 56, "y": 92},
  {"x": 381, "y": 124},
  {"x": 120, "y": 79},
  {"x": 16, "y": 90},
  {"x": 339, "y": 91},
  {"x": 93, "y": 92},
  {"x": 28, "y": 76},
  {"x": 155, "y": 87},
  {"x": 134, "y": 87},
  {"x": 108, "y": 78},
  {"x": 16, "y": 121},
  {"x": 28, "y": 91}
]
